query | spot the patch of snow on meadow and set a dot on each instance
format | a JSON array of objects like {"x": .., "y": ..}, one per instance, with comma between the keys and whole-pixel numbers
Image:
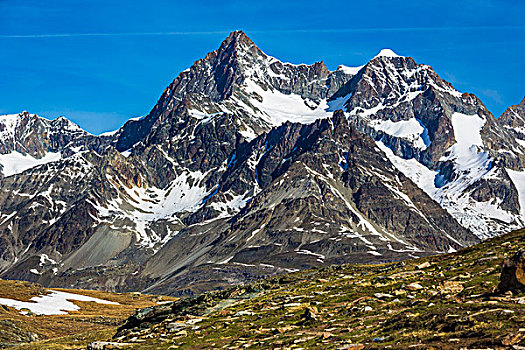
[{"x": 55, "y": 303}]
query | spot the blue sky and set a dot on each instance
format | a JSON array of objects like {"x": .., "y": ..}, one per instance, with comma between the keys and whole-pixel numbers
[{"x": 101, "y": 62}]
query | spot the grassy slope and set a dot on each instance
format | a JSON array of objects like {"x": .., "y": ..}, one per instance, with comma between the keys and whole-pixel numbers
[
  {"x": 452, "y": 309},
  {"x": 77, "y": 329}
]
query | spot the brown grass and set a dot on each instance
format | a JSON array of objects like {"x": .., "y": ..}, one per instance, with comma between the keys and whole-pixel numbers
[{"x": 77, "y": 328}]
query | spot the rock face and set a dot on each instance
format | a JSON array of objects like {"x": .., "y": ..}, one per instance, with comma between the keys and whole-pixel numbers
[
  {"x": 222, "y": 82},
  {"x": 513, "y": 119},
  {"x": 247, "y": 167},
  {"x": 319, "y": 194},
  {"x": 513, "y": 274}
]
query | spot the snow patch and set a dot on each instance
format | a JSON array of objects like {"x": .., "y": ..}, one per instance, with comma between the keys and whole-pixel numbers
[
  {"x": 518, "y": 178},
  {"x": 452, "y": 196},
  {"x": 277, "y": 108},
  {"x": 109, "y": 133},
  {"x": 55, "y": 303},
  {"x": 410, "y": 129},
  {"x": 467, "y": 132},
  {"x": 349, "y": 70},
  {"x": 16, "y": 162},
  {"x": 422, "y": 176}
]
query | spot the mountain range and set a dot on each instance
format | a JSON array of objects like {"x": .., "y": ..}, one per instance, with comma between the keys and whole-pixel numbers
[{"x": 248, "y": 166}]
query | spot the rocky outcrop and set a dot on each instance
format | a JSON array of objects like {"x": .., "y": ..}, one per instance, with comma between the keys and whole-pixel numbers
[
  {"x": 513, "y": 119},
  {"x": 513, "y": 274}
]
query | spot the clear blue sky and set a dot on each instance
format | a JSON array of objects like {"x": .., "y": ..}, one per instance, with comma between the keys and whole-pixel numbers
[{"x": 102, "y": 62}]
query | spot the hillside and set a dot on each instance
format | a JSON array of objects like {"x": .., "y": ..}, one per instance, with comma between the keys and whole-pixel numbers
[{"x": 441, "y": 302}]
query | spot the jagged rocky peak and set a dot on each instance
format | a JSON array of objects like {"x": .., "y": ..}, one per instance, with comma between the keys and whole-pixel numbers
[
  {"x": 395, "y": 99},
  {"x": 224, "y": 67},
  {"x": 239, "y": 53},
  {"x": 215, "y": 74},
  {"x": 8, "y": 129},
  {"x": 241, "y": 80},
  {"x": 411, "y": 108},
  {"x": 237, "y": 60},
  {"x": 389, "y": 79},
  {"x": 24, "y": 133},
  {"x": 238, "y": 39},
  {"x": 65, "y": 124},
  {"x": 449, "y": 136},
  {"x": 236, "y": 44}
]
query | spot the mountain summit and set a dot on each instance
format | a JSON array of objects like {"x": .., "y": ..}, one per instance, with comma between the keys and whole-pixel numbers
[
  {"x": 248, "y": 166},
  {"x": 387, "y": 53}
]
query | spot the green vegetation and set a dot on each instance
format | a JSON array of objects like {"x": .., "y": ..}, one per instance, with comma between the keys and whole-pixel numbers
[{"x": 442, "y": 302}]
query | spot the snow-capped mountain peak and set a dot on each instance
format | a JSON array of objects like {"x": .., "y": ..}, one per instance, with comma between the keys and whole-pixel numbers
[
  {"x": 387, "y": 53},
  {"x": 66, "y": 124},
  {"x": 421, "y": 117}
]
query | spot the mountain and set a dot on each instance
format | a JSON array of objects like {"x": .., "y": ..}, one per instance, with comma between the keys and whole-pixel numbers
[
  {"x": 446, "y": 142},
  {"x": 315, "y": 194},
  {"x": 235, "y": 79},
  {"x": 248, "y": 167}
]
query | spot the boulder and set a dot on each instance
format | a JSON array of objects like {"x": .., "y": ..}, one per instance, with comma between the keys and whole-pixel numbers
[
  {"x": 423, "y": 265},
  {"x": 309, "y": 315},
  {"x": 513, "y": 274},
  {"x": 104, "y": 345},
  {"x": 414, "y": 286}
]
